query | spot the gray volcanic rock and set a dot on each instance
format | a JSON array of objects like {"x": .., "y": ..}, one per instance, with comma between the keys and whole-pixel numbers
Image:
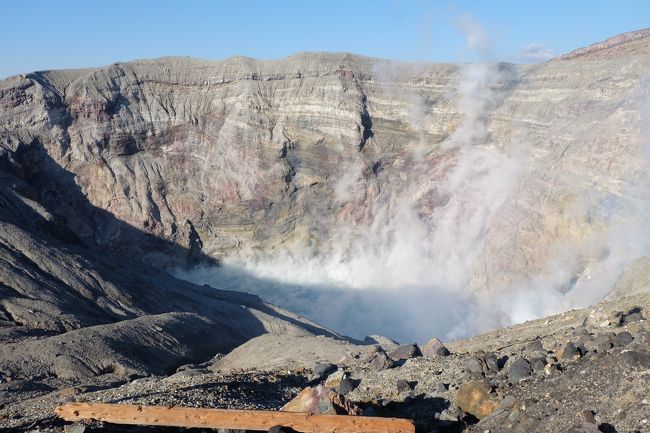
[
  {"x": 75, "y": 310},
  {"x": 518, "y": 370},
  {"x": 546, "y": 402},
  {"x": 220, "y": 157},
  {"x": 153, "y": 344},
  {"x": 433, "y": 348},
  {"x": 405, "y": 351}
]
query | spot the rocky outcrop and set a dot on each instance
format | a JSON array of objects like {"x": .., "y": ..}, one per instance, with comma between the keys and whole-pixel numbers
[
  {"x": 619, "y": 45},
  {"x": 178, "y": 161}
]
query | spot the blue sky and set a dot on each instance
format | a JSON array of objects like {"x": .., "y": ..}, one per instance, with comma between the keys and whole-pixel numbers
[{"x": 40, "y": 34}]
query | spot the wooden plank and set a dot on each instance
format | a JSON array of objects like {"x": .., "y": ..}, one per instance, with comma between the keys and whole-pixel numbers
[{"x": 230, "y": 419}]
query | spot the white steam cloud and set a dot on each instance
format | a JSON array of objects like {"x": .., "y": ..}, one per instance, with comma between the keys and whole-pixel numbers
[{"x": 407, "y": 273}]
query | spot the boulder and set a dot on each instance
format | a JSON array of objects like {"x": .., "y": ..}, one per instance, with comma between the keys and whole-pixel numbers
[
  {"x": 347, "y": 385},
  {"x": 316, "y": 399},
  {"x": 377, "y": 358},
  {"x": 622, "y": 339},
  {"x": 405, "y": 351},
  {"x": 475, "y": 364},
  {"x": 476, "y": 399},
  {"x": 370, "y": 352},
  {"x": 434, "y": 348},
  {"x": 321, "y": 399},
  {"x": 381, "y": 361},
  {"x": 570, "y": 351},
  {"x": 520, "y": 369}
]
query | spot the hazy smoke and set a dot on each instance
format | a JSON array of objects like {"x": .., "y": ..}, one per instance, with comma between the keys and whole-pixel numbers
[
  {"x": 475, "y": 35},
  {"x": 406, "y": 273},
  {"x": 534, "y": 53}
]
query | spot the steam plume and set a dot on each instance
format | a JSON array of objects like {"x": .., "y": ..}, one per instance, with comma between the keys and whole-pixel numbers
[{"x": 409, "y": 272}]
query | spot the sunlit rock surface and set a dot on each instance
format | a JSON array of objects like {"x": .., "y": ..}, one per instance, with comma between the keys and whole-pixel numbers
[{"x": 499, "y": 180}]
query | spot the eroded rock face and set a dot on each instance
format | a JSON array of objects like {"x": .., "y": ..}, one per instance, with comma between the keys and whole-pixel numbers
[
  {"x": 215, "y": 158},
  {"x": 71, "y": 310},
  {"x": 106, "y": 172}
]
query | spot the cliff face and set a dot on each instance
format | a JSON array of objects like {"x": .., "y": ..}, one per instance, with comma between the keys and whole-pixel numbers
[{"x": 496, "y": 173}]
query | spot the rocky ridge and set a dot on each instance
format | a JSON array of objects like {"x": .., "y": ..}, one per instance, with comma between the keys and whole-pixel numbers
[{"x": 217, "y": 158}]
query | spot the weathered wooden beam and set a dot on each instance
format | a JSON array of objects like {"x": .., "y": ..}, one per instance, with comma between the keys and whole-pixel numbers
[{"x": 230, "y": 419}]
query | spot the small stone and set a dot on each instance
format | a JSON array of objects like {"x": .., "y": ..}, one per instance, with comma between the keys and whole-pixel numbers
[
  {"x": 475, "y": 398},
  {"x": 570, "y": 351},
  {"x": 370, "y": 352},
  {"x": 403, "y": 386},
  {"x": 347, "y": 385},
  {"x": 549, "y": 369},
  {"x": 508, "y": 402},
  {"x": 634, "y": 315},
  {"x": 322, "y": 370},
  {"x": 580, "y": 332},
  {"x": 440, "y": 387},
  {"x": 641, "y": 341},
  {"x": 492, "y": 362},
  {"x": 74, "y": 428},
  {"x": 535, "y": 346},
  {"x": 496, "y": 382},
  {"x": 474, "y": 364},
  {"x": 519, "y": 370},
  {"x": 603, "y": 342},
  {"x": 622, "y": 339},
  {"x": 588, "y": 416},
  {"x": 434, "y": 348},
  {"x": 406, "y": 351},
  {"x": 381, "y": 362},
  {"x": 585, "y": 340},
  {"x": 538, "y": 363}
]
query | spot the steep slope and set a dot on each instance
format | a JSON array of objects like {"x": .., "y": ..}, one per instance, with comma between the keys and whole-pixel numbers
[
  {"x": 73, "y": 311},
  {"x": 494, "y": 184}
]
